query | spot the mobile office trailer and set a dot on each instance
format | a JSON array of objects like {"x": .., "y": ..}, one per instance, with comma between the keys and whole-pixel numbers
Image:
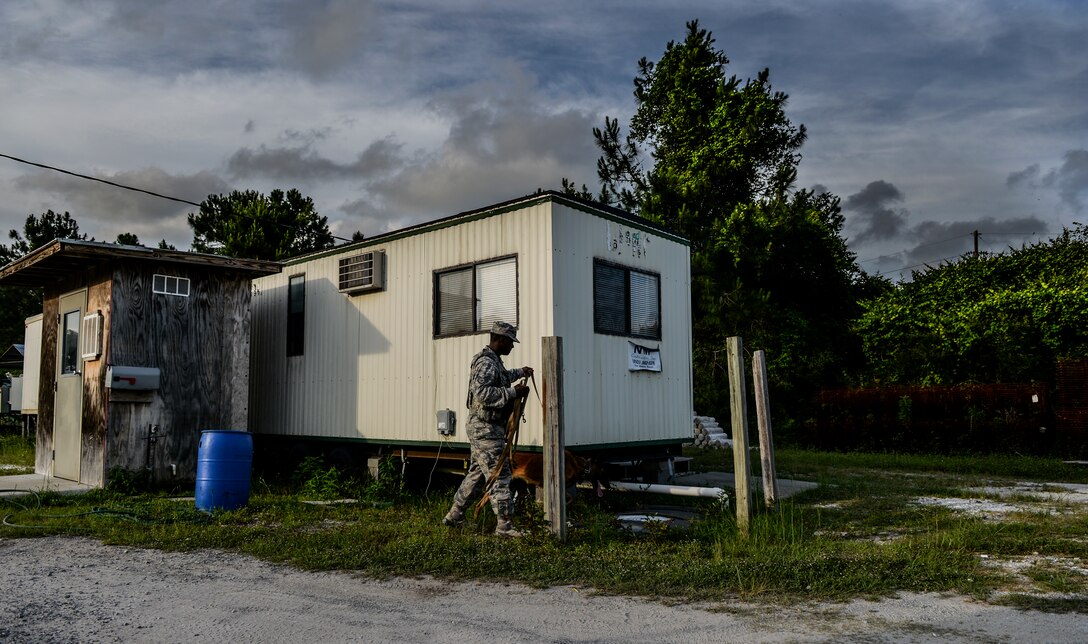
[
  {"x": 138, "y": 350},
  {"x": 371, "y": 342}
]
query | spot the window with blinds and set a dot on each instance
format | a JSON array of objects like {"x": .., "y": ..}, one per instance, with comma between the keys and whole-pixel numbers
[
  {"x": 469, "y": 299},
  {"x": 626, "y": 301}
]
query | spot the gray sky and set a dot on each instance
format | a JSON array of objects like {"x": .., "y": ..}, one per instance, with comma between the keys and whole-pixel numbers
[{"x": 929, "y": 118}]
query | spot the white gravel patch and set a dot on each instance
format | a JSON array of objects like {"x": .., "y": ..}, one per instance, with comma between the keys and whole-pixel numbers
[{"x": 979, "y": 507}]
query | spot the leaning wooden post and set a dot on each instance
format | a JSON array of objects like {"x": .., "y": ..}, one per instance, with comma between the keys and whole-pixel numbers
[
  {"x": 738, "y": 412},
  {"x": 763, "y": 420},
  {"x": 555, "y": 492}
]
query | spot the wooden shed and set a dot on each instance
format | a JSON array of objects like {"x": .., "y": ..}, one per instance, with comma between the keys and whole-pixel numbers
[
  {"x": 370, "y": 342},
  {"x": 140, "y": 350}
]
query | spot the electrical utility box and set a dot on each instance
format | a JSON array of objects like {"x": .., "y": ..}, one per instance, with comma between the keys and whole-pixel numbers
[{"x": 447, "y": 422}]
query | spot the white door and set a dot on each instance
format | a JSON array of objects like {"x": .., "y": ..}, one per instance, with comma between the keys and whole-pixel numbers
[{"x": 68, "y": 406}]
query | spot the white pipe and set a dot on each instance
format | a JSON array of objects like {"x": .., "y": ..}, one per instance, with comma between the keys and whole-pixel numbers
[{"x": 674, "y": 490}]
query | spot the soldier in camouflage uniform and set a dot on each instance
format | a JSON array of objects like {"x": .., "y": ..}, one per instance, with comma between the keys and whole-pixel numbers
[{"x": 490, "y": 402}]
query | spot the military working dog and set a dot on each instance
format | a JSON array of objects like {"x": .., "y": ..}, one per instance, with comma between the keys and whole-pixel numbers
[{"x": 528, "y": 471}]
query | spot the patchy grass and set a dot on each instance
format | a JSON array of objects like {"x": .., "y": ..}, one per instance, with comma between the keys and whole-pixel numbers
[
  {"x": 858, "y": 534},
  {"x": 16, "y": 454}
]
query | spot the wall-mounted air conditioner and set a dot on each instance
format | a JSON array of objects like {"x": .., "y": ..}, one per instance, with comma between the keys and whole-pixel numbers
[{"x": 363, "y": 273}]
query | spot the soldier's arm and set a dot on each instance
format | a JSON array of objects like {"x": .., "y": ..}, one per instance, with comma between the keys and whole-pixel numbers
[{"x": 484, "y": 375}]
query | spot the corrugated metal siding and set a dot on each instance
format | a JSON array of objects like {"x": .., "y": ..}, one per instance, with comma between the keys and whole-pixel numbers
[
  {"x": 371, "y": 368},
  {"x": 605, "y": 403}
]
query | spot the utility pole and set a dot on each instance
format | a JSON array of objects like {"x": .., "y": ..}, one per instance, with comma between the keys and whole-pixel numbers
[{"x": 975, "y": 235}]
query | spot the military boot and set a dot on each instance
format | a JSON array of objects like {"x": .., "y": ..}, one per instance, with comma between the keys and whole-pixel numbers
[
  {"x": 505, "y": 528},
  {"x": 453, "y": 519}
]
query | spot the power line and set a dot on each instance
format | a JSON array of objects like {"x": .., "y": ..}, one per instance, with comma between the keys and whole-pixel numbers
[
  {"x": 89, "y": 178},
  {"x": 940, "y": 241},
  {"x": 917, "y": 265},
  {"x": 132, "y": 188},
  {"x": 982, "y": 235}
]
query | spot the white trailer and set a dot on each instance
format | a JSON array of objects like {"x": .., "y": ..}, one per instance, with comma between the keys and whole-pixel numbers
[{"x": 370, "y": 341}]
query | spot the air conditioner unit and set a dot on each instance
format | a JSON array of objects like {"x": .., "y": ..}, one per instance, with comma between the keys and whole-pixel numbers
[
  {"x": 90, "y": 336},
  {"x": 363, "y": 273}
]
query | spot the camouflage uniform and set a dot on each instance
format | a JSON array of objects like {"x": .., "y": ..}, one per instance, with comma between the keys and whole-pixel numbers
[{"x": 490, "y": 401}]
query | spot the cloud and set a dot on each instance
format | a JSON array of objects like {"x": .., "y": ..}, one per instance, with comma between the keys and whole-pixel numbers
[
  {"x": 875, "y": 218},
  {"x": 501, "y": 141},
  {"x": 331, "y": 33},
  {"x": 118, "y": 210},
  {"x": 1070, "y": 179},
  {"x": 938, "y": 241},
  {"x": 304, "y": 163},
  {"x": 1027, "y": 177}
]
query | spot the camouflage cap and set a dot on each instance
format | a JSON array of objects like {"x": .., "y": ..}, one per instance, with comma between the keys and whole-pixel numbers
[{"x": 506, "y": 329}]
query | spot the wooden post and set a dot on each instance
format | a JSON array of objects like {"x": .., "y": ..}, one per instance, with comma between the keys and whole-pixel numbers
[
  {"x": 555, "y": 484},
  {"x": 738, "y": 412},
  {"x": 763, "y": 420}
]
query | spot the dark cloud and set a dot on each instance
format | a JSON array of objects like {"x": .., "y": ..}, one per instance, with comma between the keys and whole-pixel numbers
[
  {"x": 875, "y": 219},
  {"x": 937, "y": 241},
  {"x": 501, "y": 143},
  {"x": 1070, "y": 179},
  {"x": 303, "y": 163},
  {"x": 101, "y": 202},
  {"x": 250, "y": 126},
  {"x": 1026, "y": 177}
]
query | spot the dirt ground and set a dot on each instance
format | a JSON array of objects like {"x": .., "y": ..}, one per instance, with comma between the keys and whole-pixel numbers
[{"x": 60, "y": 589}]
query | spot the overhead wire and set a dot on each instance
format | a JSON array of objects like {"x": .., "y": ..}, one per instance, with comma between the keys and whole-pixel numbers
[
  {"x": 927, "y": 263},
  {"x": 939, "y": 241},
  {"x": 100, "y": 180},
  {"x": 135, "y": 189}
]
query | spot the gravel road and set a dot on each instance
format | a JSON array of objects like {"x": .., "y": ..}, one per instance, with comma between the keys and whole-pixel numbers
[{"x": 78, "y": 590}]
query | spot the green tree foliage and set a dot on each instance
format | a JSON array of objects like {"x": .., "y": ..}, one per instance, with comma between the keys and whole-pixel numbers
[
  {"x": 990, "y": 319},
  {"x": 127, "y": 239},
  {"x": 39, "y": 230},
  {"x": 251, "y": 225},
  {"x": 715, "y": 159},
  {"x": 18, "y": 303}
]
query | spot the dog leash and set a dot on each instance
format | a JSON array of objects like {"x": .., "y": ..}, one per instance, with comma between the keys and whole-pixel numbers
[{"x": 513, "y": 425}]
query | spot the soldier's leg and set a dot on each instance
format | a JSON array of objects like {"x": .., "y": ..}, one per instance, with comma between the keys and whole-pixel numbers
[
  {"x": 502, "y": 499},
  {"x": 469, "y": 487}
]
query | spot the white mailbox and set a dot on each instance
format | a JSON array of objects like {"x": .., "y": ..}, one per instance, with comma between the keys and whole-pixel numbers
[{"x": 132, "y": 378}]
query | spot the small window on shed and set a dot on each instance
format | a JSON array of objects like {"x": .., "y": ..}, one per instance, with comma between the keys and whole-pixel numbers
[
  {"x": 170, "y": 285},
  {"x": 626, "y": 301},
  {"x": 296, "y": 314}
]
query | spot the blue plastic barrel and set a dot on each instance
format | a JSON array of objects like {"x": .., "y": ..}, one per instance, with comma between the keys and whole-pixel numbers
[{"x": 223, "y": 464}]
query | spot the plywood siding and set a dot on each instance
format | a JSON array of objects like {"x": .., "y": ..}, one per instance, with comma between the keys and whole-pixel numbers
[
  {"x": 371, "y": 367},
  {"x": 604, "y": 402},
  {"x": 200, "y": 345},
  {"x": 93, "y": 429}
]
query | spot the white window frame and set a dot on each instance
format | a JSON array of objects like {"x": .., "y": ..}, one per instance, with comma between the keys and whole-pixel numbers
[
  {"x": 170, "y": 285},
  {"x": 486, "y": 307}
]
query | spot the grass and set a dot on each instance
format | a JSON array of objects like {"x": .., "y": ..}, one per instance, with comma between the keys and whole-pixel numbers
[
  {"x": 17, "y": 454},
  {"x": 858, "y": 534}
]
